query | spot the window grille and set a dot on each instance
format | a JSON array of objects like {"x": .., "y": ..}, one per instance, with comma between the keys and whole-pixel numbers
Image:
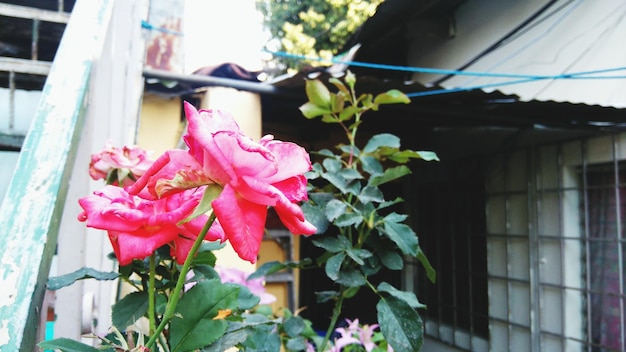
[{"x": 554, "y": 247}]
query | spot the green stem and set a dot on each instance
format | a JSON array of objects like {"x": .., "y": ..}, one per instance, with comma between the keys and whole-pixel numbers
[
  {"x": 333, "y": 319},
  {"x": 151, "y": 288},
  {"x": 175, "y": 296}
]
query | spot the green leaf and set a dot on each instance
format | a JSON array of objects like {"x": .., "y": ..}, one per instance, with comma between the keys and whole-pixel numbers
[
  {"x": 210, "y": 194},
  {"x": 401, "y": 325},
  {"x": 350, "y": 174},
  {"x": 403, "y": 156},
  {"x": 334, "y": 209},
  {"x": 266, "y": 269},
  {"x": 382, "y": 140},
  {"x": 371, "y": 194},
  {"x": 297, "y": 343},
  {"x": 315, "y": 215},
  {"x": 197, "y": 309},
  {"x": 333, "y": 266},
  {"x": 389, "y": 175},
  {"x": 392, "y": 96},
  {"x": 348, "y": 219},
  {"x": 311, "y": 110},
  {"x": 206, "y": 253},
  {"x": 358, "y": 255},
  {"x": 406, "y": 296},
  {"x": 318, "y": 93},
  {"x": 228, "y": 340},
  {"x": 347, "y": 113},
  {"x": 261, "y": 341},
  {"x": 246, "y": 299},
  {"x": 55, "y": 283},
  {"x": 430, "y": 271},
  {"x": 391, "y": 259},
  {"x": 351, "y": 278},
  {"x": 127, "y": 310},
  {"x": 68, "y": 345},
  {"x": 336, "y": 180},
  {"x": 294, "y": 326},
  {"x": 332, "y": 165},
  {"x": 332, "y": 244},
  {"x": 403, "y": 236},
  {"x": 325, "y": 296},
  {"x": 371, "y": 165}
]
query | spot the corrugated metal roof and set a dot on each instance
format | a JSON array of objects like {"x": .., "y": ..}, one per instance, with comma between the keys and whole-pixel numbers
[{"x": 576, "y": 41}]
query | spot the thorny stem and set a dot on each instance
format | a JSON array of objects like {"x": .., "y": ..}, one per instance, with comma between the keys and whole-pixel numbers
[{"x": 175, "y": 296}]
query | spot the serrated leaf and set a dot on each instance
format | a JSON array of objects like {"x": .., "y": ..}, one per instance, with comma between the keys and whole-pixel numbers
[
  {"x": 358, "y": 255},
  {"x": 331, "y": 244},
  {"x": 351, "y": 278},
  {"x": 266, "y": 269},
  {"x": 228, "y": 340},
  {"x": 403, "y": 236},
  {"x": 371, "y": 165},
  {"x": 297, "y": 343},
  {"x": 261, "y": 341},
  {"x": 332, "y": 165},
  {"x": 390, "y": 174},
  {"x": 348, "y": 219},
  {"x": 55, "y": 283},
  {"x": 350, "y": 174},
  {"x": 406, "y": 296},
  {"x": 315, "y": 215},
  {"x": 294, "y": 326},
  {"x": 336, "y": 180},
  {"x": 334, "y": 209},
  {"x": 382, "y": 140},
  {"x": 127, "y": 310},
  {"x": 333, "y": 266},
  {"x": 197, "y": 309},
  {"x": 401, "y": 325},
  {"x": 371, "y": 194},
  {"x": 246, "y": 299},
  {"x": 68, "y": 345}
]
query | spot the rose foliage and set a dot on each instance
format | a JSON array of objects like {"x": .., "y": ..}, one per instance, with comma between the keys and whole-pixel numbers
[{"x": 165, "y": 218}]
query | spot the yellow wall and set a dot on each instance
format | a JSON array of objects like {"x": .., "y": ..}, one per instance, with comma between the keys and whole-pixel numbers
[{"x": 160, "y": 126}]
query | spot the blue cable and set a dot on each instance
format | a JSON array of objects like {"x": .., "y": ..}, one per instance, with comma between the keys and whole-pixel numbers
[
  {"x": 149, "y": 26},
  {"x": 522, "y": 78}
]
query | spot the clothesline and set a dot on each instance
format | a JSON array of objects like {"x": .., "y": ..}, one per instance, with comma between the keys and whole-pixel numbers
[{"x": 519, "y": 78}]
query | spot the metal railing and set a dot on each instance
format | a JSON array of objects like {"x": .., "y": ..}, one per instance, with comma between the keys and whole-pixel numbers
[{"x": 92, "y": 94}]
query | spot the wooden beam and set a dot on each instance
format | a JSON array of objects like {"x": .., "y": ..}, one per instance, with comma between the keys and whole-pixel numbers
[
  {"x": 33, "y": 13},
  {"x": 30, "y": 213},
  {"x": 33, "y": 67}
]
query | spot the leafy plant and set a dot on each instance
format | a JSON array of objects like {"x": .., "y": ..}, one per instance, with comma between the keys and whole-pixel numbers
[{"x": 358, "y": 232}]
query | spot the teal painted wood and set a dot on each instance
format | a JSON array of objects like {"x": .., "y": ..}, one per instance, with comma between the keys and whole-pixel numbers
[{"x": 31, "y": 210}]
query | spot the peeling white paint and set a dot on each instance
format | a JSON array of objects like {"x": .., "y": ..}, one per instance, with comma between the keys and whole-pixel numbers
[
  {"x": 4, "y": 333},
  {"x": 8, "y": 281}
]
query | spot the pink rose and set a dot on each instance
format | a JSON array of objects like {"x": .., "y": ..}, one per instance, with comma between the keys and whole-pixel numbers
[
  {"x": 137, "y": 227},
  {"x": 253, "y": 175},
  {"x": 128, "y": 162}
]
